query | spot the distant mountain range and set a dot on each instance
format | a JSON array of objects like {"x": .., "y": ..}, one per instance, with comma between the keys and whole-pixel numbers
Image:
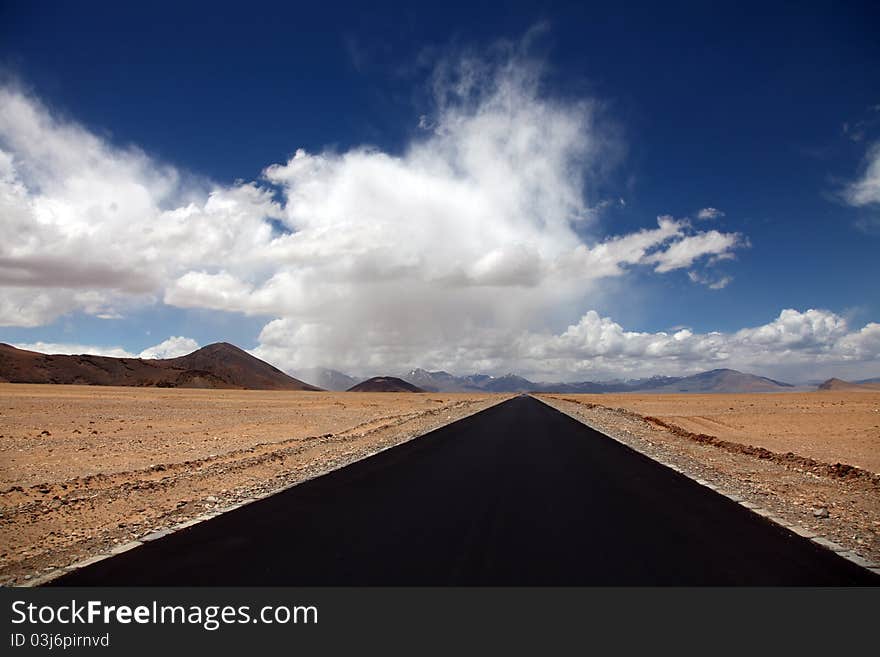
[
  {"x": 223, "y": 365},
  {"x": 713, "y": 381},
  {"x": 219, "y": 365},
  {"x": 327, "y": 379},
  {"x": 722, "y": 380},
  {"x": 446, "y": 382}
]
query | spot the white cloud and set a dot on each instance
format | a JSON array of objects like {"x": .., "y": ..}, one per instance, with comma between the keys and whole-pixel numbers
[
  {"x": 685, "y": 251},
  {"x": 814, "y": 343},
  {"x": 95, "y": 228},
  {"x": 453, "y": 253},
  {"x": 711, "y": 283},
  {"x": 75, "y": 349},
  {"x": 795, "y": 340},
  {"x": 809, "y": 344},
  {"x": 866, "y": 190},
  {"x": 487, "y": 199},
  {"x": 709, "y": 213},
  {"x": 171, "y": 348}
]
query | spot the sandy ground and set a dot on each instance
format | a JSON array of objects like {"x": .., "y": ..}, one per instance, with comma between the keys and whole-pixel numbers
[
  {"x": 85, "y": 468},
  {"x": 827, "y": 426},
  {"x": 789, "y": 453}
]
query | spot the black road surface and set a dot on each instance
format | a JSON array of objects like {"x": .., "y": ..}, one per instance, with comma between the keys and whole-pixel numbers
[{"x": 519, "y": 494}]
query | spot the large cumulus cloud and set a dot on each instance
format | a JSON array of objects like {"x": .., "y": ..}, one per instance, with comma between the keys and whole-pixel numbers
[
  {"x": 812, "y": 343},
  {"x": 452, "y": 252}
]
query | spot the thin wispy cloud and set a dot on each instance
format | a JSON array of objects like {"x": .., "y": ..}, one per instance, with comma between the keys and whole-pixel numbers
[
  {"x": 711, "y": 283},
  {"x": 865, "y": 190},
  {"x": 709, "y": 213}
]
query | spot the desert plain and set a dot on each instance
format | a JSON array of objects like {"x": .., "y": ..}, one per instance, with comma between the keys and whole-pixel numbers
[
  {"x": 86, "y": 470},
  {"x": 832, "y": 427}
]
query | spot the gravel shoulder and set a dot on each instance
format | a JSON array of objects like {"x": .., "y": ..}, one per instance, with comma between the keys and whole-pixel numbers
[{"x": 833, "y": 500}]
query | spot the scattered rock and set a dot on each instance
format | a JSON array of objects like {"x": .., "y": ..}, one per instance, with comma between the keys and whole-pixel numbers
[{"x": 821, "y": 512}]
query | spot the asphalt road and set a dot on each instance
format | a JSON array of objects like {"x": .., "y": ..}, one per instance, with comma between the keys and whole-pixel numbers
[{"x": 519, "y": 494}]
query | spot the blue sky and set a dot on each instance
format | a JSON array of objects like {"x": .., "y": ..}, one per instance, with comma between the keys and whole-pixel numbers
[{"x": 413, "y": 121}]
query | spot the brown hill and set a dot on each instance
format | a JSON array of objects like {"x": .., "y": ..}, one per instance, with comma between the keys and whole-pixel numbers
[
  {"x": 846, "y": 386},
  {"x": 219, "y": 365},
  {"x": 238, "y": 368},
  {"x": 385, "y": 384}
]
